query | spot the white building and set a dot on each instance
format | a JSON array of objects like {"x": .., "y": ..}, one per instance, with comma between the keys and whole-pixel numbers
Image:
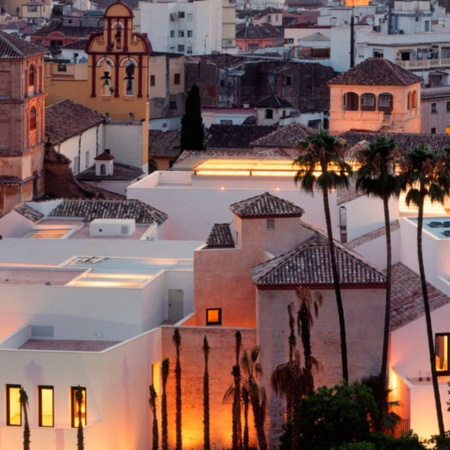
[{"x": 192, "y": 28}]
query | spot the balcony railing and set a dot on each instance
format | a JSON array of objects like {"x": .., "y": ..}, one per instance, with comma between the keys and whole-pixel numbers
[{"x": 423, "y": 63}]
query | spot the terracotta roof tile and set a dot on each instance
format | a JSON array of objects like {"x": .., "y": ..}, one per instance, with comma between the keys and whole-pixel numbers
[
  {"x": 376, "y": 72},
  {"x": 12, "y": 46},
  {"x": 220, "y": 237},
  {"x": 263, "y": 31},
  {"x": 109, "y": 209},
  {"x": 288, "y": 136},
  {"x": 28, "y": 212},
  {"x": 76, "y": 45},
  {"x": 68, "y": 118},
  {"x": 266, "y": 205},
  {"x": 407, "y": 141},
  {"x": 310, "y": 264},
  {"x": 407, "y": 301},
  {"x": 273, "y": 101},
  {"x": 67, "y": 31},
  {"x": 165, "y": 144},
  {"x": 235, "y": 136},
  {"x": 104, "y": 157}
]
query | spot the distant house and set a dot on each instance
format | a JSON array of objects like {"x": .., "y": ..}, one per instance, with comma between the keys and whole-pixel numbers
[{"x": 252, "y": 37}]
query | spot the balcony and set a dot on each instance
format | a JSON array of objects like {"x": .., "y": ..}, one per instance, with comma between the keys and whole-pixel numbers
[{"x": 423, "y": 63}]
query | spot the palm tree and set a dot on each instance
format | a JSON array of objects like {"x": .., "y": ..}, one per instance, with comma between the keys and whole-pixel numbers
[
  {"x": 290, "y": 380},
  {"x": 425, "y": 174},
  {"x": 152, "y": 402},
  {"x": 377, "y": 177},
  {"x": 309, "y": 307},
  {"x": 324, "y": 152},
  {"x": 234, "y": 391},
  {"x": 23, "y": 399},
  {"x": 164, "y": 377},
  {"x": 206, "y": 439},
  {"x": 80, "y": 434},
  {"x": 177, "y": 341},
  {"x": 256, "y": 394}
]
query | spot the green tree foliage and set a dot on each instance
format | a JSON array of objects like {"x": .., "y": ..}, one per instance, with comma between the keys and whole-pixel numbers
[
  {"x": 321, "y": 164},
  {"x": 192, "y": 131},
  {"x": 336, "y": 416}
]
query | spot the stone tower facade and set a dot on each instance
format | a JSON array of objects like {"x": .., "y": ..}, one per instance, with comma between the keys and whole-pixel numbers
[{"x": 22, "y": 121}]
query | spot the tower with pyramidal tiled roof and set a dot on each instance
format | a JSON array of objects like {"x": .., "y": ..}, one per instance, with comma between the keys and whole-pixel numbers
[{"x": 375, "y": 95}]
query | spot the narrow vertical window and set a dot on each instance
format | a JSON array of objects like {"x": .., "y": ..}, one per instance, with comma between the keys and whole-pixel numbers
[
  {"x": 441, "y": 352},
  {"x": 46, "y": 406},
  {"x": 13, "y": 411},
  {"x": 129, "y": 79},
  {"x": 33, "y": 120},
  {"x": 31, "y": 76},
  {"x": 78, "y": 408}
]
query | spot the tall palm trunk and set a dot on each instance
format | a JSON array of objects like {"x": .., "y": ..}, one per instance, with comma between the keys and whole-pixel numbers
[
  {"x": 245, "y": 401},
  {"x": 164, "y": 422},
  {"x": 80, "y": 433},
  {"x": 26, "y": 426},
  {"x": 381, "y": 400},
  {"x": 179, "y": 437},
  {"x": 336, "y": 283},
  {"x": 206, "y": 431},
  {"x": 237, "y": 429},
  {"x": 259, "y": 415},
  {"x": 426, "y": 304},
  {"x": 152, "y": 402}
]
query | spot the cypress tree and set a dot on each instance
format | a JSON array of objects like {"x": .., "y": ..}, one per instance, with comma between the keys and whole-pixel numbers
[{"x": 192, "y": 132}]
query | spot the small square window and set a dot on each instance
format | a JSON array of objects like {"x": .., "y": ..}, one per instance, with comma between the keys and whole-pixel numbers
[
  {"x": 177, "y": 78},
  {"x": 180, "y": 33},
  {"x": 181, "y": 48},
  {"x": 214, "y": 316},
  {"x": 270, "y": 224},
  {"x": 172, "y": 104},
  {"x": 181, "y": 14},
  {"x": 433, "y": 131},
  {"x": 190, "y": 33},
  {"x": 269, "y": 114}
]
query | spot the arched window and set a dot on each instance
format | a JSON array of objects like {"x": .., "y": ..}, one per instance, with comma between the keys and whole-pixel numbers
[
  {"x": 118, "y": 38},
  {"x": 351, "y": 101},
  {"x": 367, "y": 102},
  {"x": 385, "y": 102},
  {"x": 414, "y": 99},
  {"x": 410, "y": 100},
  {"x": 129, "y": 78},
  {"x": 31, "y": 76},
  {"x": 33, "y": 120},
  {"x": 102, "y": 169},
  {"x": 106, "y": 79}
]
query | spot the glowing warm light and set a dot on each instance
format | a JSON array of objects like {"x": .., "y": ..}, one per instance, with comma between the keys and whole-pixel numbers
[
  {"x": 277, "y": 189},
  {"x": 222, "y": 188},
  {"x": 156, "y": 376},
  {"x": 91, "y": 283},
  {"x": 46, "y": 406},
  {"x": 13, "y": 395},
  {"x": 75, "y": 419}
]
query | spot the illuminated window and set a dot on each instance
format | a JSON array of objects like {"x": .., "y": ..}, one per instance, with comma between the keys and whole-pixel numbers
[
  {"x": 76, "y": 410},
  {"x": 46, "y": 406},
  {"x": 214, "y": 316},
  {"x": 33, "y": 122},
  {"x": 447, "y": 130},
  {"x": 13, "y": 411},
  {"x": 441, "y": 352}
]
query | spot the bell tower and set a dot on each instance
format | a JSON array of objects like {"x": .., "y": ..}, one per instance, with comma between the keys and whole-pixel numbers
[
  {"x": 22, "y": 121},
  {"x": 118, "y": 74}
]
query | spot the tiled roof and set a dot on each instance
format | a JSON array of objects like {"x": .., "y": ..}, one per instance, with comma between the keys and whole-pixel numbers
[
  {"x": 67, "y": 118},
  {"x": 28, "y": 212},
  {"x": 266, "y": 205},
  {"x": 121, "y": 172},
  {"x": 355, "y": 243},
  {"x": 12, "y": 46},
  {"x": 76, "y": 45},
  {"x": 67, "y": 31},
  {"x": 310, "y": 264},
  {"x": 164, "y": 144},
  {"x": 406, "y": 141},
  {"x": 109, "y": 209},
  {"x": 273, "y": 101},
  {"x": 288, "y": 136},
  {"x": 264, "y": 31},
  {"x": 104, "y": 157},
  {"x": 220, "y": 237},
  {"x": 407, "y": 300},
  {"x": 376, "y": 72},
  {"x": 235, "y": 136},
  {"x": 316, "y": 37}
]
